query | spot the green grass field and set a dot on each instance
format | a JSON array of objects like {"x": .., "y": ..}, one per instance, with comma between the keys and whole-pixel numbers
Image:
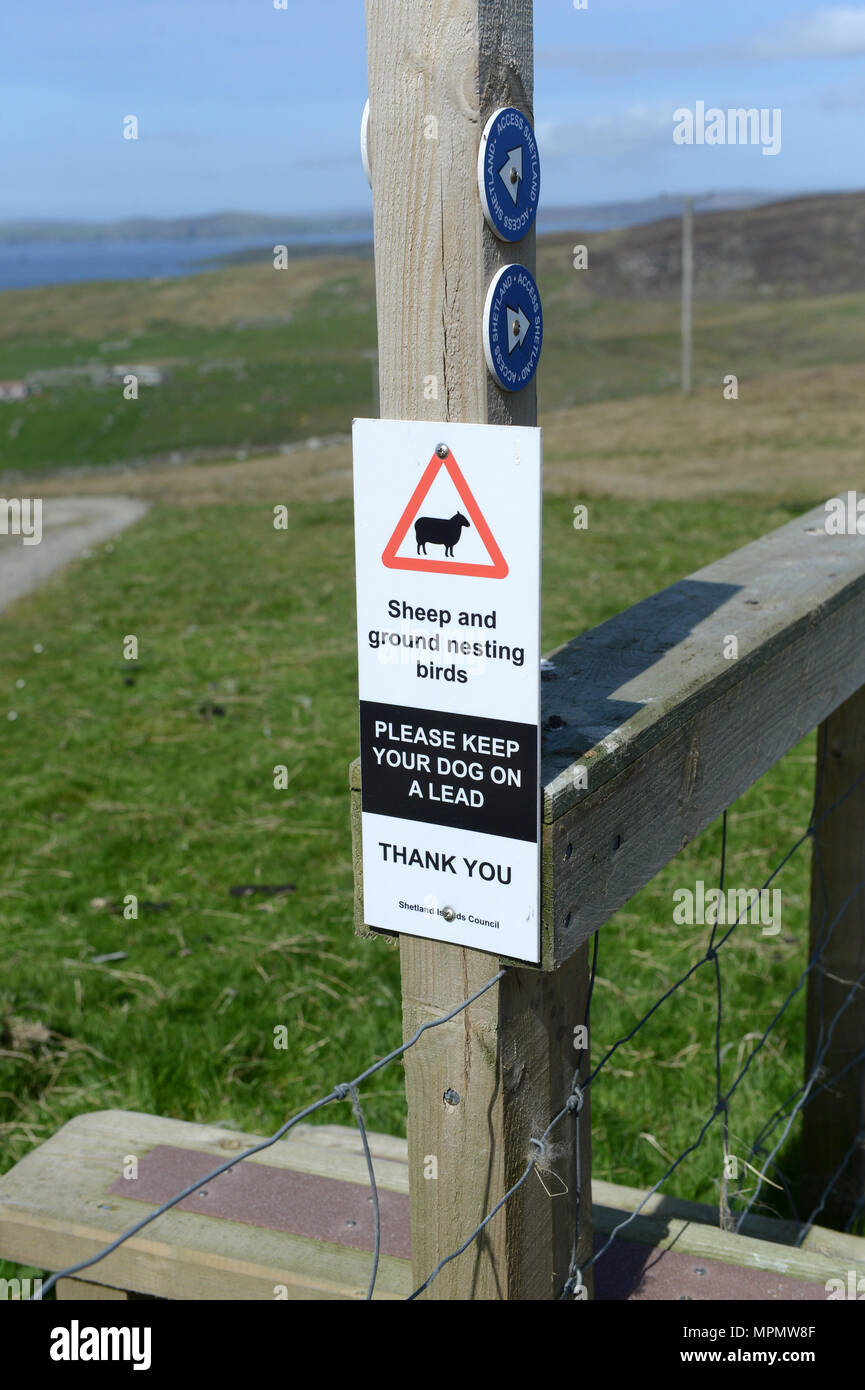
[
  {"x": 255, "y": 358},
  {"x": 229, "y": 384}
]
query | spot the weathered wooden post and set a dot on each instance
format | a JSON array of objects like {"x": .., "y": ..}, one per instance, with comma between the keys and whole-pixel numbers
[
  {"x": 437, "y": 70},
  {"x": 835, "y": 1117}
]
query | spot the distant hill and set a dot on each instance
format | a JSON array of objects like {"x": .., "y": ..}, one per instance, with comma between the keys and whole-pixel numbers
[
  {"x": 259, "y": 226},
  {"x": 604, "y": 216},
  {"x": 802, "y": 246},
  {"x": 218, "y": 224},
  {"x": 744, "y": 246}
]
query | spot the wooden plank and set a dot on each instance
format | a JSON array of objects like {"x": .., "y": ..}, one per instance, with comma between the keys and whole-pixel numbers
[
  {"x": 76, "y": 1290},
  {"x": 658, "y": 1227},
  {"x": 442, "y": 67},
  {"x": 623, "y": 687},
  {"x": 82, "y": 1160},
  {"x": 328, "y": 1138},
  {"x": 693, "y": 1228},
  {"x": 55, "y": 1211},
  {"x": 670, "y": 731},
  {"x": 836, "y": 1116}
]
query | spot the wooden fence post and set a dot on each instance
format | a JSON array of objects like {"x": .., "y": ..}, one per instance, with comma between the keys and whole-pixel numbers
[
  {"x": 437, "y": 71},
  {"x": 836, "y": 1115}
]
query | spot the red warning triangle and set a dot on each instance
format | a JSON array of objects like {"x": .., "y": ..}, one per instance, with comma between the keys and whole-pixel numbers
[{"x": 498, "y": 566}]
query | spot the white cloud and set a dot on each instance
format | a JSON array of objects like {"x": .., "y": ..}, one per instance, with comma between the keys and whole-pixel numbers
[
  {"x": 836, "y": 31},
  {"x": 634, "y": 129}
]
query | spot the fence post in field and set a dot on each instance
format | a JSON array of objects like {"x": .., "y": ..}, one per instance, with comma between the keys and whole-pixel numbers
[
  {"x": 834, "y": 1118},
  {"x": 437, "y": 71}
]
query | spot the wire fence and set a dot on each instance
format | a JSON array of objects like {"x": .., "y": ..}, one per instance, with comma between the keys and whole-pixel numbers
[{"x": 573, "y": 1104}]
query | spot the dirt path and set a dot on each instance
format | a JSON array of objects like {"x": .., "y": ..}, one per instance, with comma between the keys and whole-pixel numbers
[{"x": 69, "y": 526}]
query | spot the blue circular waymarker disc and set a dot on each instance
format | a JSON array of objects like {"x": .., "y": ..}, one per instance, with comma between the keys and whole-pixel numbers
[
  {"x": 513, "y": 327},
  {"x": 509, "y": 173}
]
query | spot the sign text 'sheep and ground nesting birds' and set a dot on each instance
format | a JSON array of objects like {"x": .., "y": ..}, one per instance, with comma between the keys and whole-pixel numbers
[{"x": 447, "y": 536}]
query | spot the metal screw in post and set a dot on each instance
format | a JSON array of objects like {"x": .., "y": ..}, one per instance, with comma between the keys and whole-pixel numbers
[
  {"x": 449, "y": 913},
  {"x": 442, "y": 450},
  {"x": 451, "y": 1097}
]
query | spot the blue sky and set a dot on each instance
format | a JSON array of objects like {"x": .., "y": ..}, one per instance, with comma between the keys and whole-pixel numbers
[{"x": 246, "y": 107}]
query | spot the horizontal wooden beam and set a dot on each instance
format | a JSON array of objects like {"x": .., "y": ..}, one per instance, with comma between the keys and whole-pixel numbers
[
  {"x": 56, "y": 1208},
  {"x": 692, "y": 1228},
  {"x": 671, "y": 727}
]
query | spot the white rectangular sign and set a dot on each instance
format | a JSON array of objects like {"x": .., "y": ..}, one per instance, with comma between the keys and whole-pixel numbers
[{"x": 447, "y": 540}]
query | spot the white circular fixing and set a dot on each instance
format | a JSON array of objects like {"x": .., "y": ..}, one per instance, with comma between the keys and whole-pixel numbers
[{"x": 364, "y": 143}]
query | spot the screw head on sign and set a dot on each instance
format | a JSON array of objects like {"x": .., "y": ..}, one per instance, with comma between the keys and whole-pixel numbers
[
  {"x": 442, "y": 450},
  {"x": 449, "y": 913}
]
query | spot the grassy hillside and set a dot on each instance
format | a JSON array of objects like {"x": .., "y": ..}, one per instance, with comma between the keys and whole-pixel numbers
[
  {"x": 790, "y": 437},
  {"x": 796, "y": 248},
  {"x": 250, "y": 356},
  {"x": 255, "y": 358}
]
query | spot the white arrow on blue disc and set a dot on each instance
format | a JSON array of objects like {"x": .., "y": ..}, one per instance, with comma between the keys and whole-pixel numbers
[
  {"x": 513, "y": 327},
  {"x": 518, "y": 327},
  {"x": 509, "y": 173}
]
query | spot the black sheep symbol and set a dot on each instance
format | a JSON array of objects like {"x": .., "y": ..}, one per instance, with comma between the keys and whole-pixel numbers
[{"x": 434, "y": 530}]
